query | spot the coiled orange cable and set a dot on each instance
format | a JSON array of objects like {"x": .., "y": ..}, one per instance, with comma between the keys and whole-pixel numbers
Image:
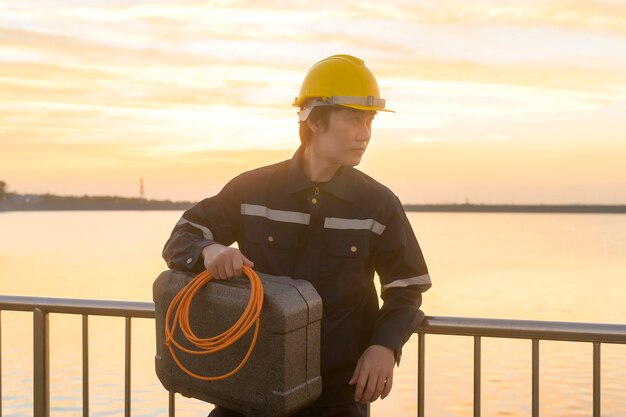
[{"x": 180, "y": 306}]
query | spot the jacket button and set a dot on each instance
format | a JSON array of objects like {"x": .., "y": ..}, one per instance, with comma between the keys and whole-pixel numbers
[
  {"x": 314, "y": 200},
  {"x": 189, "y": 260},
  {"x": 270, "y": 238},
  {"x": 353, "y": 249}
]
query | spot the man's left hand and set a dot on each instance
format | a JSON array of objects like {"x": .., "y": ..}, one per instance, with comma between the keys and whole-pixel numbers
[{"x": 373, "y": 375}]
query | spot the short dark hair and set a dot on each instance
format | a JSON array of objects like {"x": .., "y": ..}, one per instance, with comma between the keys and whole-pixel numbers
[{"x": 319, "y": 114}]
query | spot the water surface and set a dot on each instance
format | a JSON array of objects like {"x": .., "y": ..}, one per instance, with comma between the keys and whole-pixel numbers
[{"x": 561, "y": 267}]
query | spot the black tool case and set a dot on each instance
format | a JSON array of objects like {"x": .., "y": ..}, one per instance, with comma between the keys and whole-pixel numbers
[{"x": 282, "y": 374}]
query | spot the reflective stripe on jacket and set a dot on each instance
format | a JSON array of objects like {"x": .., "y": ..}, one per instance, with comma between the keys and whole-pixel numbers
[{"x": 335, "y": 235}]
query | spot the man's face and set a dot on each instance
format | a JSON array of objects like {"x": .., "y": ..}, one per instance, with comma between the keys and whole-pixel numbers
[{"x": 345, "y": 140}]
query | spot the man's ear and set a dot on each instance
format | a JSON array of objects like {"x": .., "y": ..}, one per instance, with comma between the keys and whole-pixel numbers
[{"x": 314, "y": 126}]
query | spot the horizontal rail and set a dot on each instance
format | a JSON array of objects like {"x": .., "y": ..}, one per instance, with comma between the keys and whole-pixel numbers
[
  {"x": 525, "y": 329},
  {"x": 134, "y": 309},
  {"x": 455, "y": 326}
]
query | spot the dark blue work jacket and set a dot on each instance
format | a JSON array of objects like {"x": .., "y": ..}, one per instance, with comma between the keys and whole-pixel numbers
[{"x": 335, "y": 235}]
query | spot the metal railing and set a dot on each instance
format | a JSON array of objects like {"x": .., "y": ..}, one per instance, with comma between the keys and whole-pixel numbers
[
  {"x": 476, "y": 328},
  {"x": 41, "y": 308},
  {"x": 595, "y": 333}
]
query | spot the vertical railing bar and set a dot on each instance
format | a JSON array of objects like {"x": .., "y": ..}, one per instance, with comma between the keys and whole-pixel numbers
[
  {"x": 172, "y": 404},
  {"x": 597, "y": 394},
  {"x": 477, "y": 375},
  {"x": 41, "y": 364},
  {"x": 85, "y": 365},
  {"x": 127, "y": 370},
  {"x": 0, "y": 363},
  {"x": 421, "y": 360},
  {"x": 535, "y": 376}
]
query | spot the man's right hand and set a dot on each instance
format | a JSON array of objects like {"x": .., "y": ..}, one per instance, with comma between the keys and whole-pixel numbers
[{"x": 224, "y": 262}]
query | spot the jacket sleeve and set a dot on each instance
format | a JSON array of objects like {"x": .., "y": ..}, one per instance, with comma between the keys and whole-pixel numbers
[
  {"x": 403, "y": 278},
  {"x": 212, "y": 220}
]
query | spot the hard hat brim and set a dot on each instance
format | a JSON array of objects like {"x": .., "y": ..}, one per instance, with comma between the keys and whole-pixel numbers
[
  {"x": 367, "y": 108},
  {"x": 357, "y": 103}
]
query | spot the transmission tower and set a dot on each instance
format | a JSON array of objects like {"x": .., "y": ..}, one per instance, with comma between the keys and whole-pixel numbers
[{"x": 141, "y": 191}]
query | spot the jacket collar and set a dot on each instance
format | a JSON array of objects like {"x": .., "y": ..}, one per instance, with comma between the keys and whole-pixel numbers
[{"x": 341, "y": 184}]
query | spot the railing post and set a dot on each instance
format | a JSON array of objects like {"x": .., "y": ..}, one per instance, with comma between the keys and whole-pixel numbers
[
  {"x": 597, "y": 395},
  {"x": 0, "y": 363},
  {"x": 421, "y": 359},
  {"x": 172, "y": 404},
  {"x": 41, "y": 364},
  {"x": 127, "y": 370},
  {"x": 477, "y": 376},
  {"x": 85, "y": 365},
  {"x": 535, "y": 399}
]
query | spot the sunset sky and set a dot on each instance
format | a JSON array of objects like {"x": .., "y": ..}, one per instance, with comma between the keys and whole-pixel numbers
[{"x": 496, "y": 101}]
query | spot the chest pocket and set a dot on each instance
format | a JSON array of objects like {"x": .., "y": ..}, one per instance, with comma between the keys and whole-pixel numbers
[
  {"x": 272, "y": 234},
  {"x": 348, "y": 245},
  {"x": 271, "y": 245},
  {"x": 347, "y": 266}
]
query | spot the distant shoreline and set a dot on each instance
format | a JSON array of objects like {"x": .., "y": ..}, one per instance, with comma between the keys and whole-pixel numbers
[
  {"x": 518, "y": 208},
  {"x": 49, "y": 202}
]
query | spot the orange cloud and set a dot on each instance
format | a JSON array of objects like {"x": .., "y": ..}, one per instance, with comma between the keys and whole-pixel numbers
[
  {"x": 555, "y": 76},
  {"x": 579, "y": 15},
  {"x": 72, "y": 49}
]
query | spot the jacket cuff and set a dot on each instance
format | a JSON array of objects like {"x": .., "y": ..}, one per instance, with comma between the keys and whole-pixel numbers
[
  {"x": 394, "y": 334},
  {"x": 193, "y": 260},
  {"x": 390, "y": 342}
]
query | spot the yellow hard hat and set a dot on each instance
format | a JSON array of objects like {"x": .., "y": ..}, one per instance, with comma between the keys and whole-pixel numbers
[{"x": 339, "y": 80}]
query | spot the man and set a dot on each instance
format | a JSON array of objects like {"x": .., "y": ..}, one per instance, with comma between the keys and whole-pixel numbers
[{"x": 316, "y": 217}]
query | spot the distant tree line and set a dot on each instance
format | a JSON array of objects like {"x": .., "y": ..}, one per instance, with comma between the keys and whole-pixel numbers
[{"x": 16, "y": 201}]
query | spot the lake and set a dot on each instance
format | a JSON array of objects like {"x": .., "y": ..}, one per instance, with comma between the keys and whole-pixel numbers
[{"x": 560, "y": 267}]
